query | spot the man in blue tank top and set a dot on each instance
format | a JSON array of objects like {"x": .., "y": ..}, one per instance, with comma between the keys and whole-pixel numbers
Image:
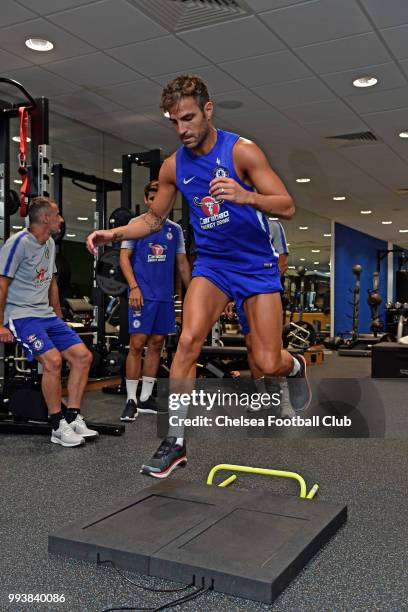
[
  {"x": 148, "y": 265},
  {"x": 230, "y": 188}
]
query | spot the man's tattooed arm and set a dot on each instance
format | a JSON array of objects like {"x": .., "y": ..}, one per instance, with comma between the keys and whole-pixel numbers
[{"x": 153, "y": 220}]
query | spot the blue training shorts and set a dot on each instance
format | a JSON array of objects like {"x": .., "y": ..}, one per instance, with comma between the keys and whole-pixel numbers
[
  {"x": 240, "y": 286},
  {"x": 37, "y": 335},
  {"x": 153, "y": 318}
]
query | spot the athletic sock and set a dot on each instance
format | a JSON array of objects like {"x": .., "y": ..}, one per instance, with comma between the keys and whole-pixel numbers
[
  {"x": 147, "y": 388},
  {"x": 55, "y": 419},
  {"x": 71, "y": 414},
  {"x": 296, "y": 367},
  {"x": 131, "y": 388},
  {"x": 177, "y": 430}
]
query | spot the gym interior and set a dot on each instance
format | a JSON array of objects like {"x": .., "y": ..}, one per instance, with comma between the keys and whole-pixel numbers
[{"x": 321, "y": 86}]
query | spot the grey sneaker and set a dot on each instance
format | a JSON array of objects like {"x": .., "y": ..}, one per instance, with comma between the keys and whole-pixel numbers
[
  {"x": 66, "y": 436},
  {"x": 80, "y": 428}
]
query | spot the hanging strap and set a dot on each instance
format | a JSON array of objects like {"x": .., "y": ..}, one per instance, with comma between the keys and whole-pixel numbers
[{"x": 22, "y": 159}]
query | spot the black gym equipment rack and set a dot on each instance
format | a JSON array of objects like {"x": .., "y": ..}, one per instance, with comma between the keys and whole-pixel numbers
[
  {"x": 101, "y": 187},
  {"x": 151, "y": 160},
  {"x": 25, "y": 391}
]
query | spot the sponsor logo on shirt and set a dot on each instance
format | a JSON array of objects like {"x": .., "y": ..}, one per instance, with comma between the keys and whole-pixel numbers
[
  {"x": 211, "y": 209},
  {"x": 158, "y": 252},
  {"x": 41, "y": 276}
]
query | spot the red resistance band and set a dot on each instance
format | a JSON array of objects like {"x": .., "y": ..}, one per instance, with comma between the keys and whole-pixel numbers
[{"x": 22, "y": 158}]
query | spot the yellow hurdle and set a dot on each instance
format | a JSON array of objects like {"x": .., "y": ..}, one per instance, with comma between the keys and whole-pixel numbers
[{"x": 265, "y": 472}]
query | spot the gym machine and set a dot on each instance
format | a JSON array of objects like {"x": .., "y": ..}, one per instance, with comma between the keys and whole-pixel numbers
[
  {"x": 361, "y": 345},
  {"x": 103, "y": 362},
  {"x": 108, "y": 275},
  {"x": 22, "y": 405},
  {"x": 299, "y": 335}
]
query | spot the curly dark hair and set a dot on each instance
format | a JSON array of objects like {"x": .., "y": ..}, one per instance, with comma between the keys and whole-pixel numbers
[
  {"x": 184, "y": 85},
  {"x": 151, "y": 186}
]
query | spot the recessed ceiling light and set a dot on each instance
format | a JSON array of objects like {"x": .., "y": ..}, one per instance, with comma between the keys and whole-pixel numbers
[
  {"x": 17, "y": 139},
  {"x": 17, "y": 227},
  {"x": 302, "y": 259},
  {"x": 366, "y": 212},
  {"x": 365, "y": 81},
  {"x": 118, "y": 170},
  {"x": 273, "y": 219},
  {"x": 82, "y": 218},
  {"x": 231, "y": 104},
  {"x": 404, "y": 231},
  {"x": 386, "y": 222},
  {"x": 316, "y": 263},
  {"x": 315, "y": 250},
  {"x": 288, "y": 244},
  {"x": 303, "y": 180},
  {"x": 339, "y": 198},
  {"x": 93, "y": 200},
  {"x": 39, "y": 44},
  {"x": 403, "y": 134},
  {"x": 303, "y": 227},
  {"x": 18, "y": 181},
  {"x": 291, "y": 267},
  {"x": 71, "y": 235},
  {"x": 327, "y": 235}
]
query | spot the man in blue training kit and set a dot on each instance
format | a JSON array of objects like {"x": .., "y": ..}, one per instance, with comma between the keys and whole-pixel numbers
[
  {"x": 30, "y": 313},
  {"x": 230, "y": 188},
  {"x": 148, "y": 265}
]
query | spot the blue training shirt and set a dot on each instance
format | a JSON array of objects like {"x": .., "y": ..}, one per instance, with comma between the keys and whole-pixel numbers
[
  {"x": 153, "y": 260},
  {"x": 234, "y": 236}
]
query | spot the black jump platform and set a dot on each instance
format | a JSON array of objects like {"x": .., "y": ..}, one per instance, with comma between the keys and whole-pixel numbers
[{"x": 246, "y": 544}]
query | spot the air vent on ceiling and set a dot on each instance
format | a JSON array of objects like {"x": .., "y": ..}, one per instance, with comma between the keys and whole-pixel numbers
[
  {"x": 179, "y": 15},
  {"x": 355, "y": 139},
  {"x": 402, "y": 191}
]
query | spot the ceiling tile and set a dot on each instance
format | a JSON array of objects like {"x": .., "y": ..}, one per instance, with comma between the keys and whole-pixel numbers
[
  {"x": 39, "y": 82},
  {"x": 96, "y": 69},
  {"x": 387, "y": 14},
  {"x": 44, "y": 7},
  {"x": 320, "y": 20},
  {"x": 397, "y": 39},
  {"x": 65, "y": 45},
  {"x": 217, "y": 81},
  {"x": 338, "y": 125},
  {"x": 379, "y": 101},
  {"x": 11, "y": 62},
  {"x": 379, "y": 161},
  {"x": 135, "y": 95},
  {"x": 345, "y": 53},
  {"x": 250, "y": 103},
  {"x": 11, "y": 12},
  {"x": 272, "y": 68},
  {"x": 158, "y": 56},
  {"x": 83, "y": 105},
  {"x": 265, "y": 5},
  {"x": 319, "y": 111},
  {"x": 389, "y": 76},
  {"x": 108, "y": 24},
  {"x": 225, "y": 41},
  {"x": 288, "y": 94}
]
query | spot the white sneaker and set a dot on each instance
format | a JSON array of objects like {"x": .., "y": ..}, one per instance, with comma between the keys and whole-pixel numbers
[
  {"x": 65, "y": 435},
  {"x": 80, "y": 428}
]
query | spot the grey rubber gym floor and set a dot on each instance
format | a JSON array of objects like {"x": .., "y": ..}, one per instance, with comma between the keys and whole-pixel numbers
[{"x": 364, "y": 567}]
